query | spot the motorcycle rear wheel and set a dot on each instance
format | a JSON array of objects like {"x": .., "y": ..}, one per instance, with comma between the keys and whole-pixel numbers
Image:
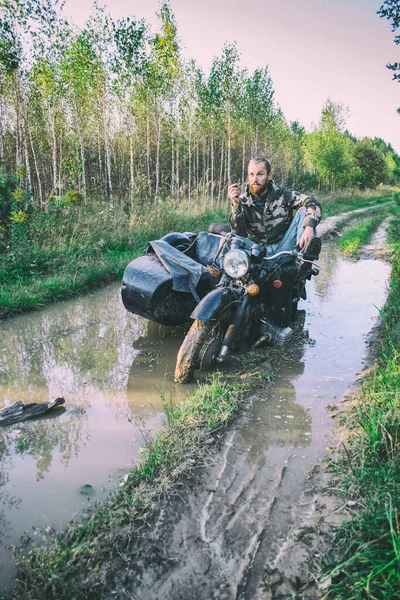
[{"x": 195, "y": 349}]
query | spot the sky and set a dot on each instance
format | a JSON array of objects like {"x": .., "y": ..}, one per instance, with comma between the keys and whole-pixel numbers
[{"x": 315, "y": 49}]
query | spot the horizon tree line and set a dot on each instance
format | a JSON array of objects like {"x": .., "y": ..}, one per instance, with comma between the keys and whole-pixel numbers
[{"x": 112, "y": 110}]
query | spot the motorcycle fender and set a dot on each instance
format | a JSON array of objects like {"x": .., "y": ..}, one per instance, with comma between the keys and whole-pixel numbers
[{"x": 213, "y": 306}]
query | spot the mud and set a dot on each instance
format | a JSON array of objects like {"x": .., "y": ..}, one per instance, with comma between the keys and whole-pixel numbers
[{"x": 247, "y": 527}]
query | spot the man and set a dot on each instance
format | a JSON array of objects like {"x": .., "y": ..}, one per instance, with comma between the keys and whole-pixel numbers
[{"x": 264, "y": 213}]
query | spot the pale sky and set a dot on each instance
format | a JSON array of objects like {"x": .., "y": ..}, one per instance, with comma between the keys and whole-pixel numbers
[{"x": 315, "y": 49}]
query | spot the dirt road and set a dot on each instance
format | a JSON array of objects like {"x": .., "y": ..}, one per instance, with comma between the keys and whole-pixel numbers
[{"x": 245, "y": 527}]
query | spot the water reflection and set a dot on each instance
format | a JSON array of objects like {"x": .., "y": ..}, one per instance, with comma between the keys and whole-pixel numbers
[{"x": 113, "y": 369}]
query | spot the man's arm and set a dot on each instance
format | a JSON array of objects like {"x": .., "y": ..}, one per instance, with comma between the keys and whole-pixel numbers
[{"x": 236, "y": 217}]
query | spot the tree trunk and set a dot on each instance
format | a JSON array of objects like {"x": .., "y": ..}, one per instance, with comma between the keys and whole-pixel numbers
[
  {"x": 177, "y": 171},
  {"x": 37, "y": 173},
  {"x": 2, "y": 159},
  {"x": 229, "y": 150},
  {"x": 25, "y": 146},
  {"x": 54, "y": 152},
  {"x": 212, "y": 167},
  {"x": 197, "y": 172},
  {"x": 243, "y": 153},
  {"x": 131, "y": 168},
  {"x": 148, "y": 143},
  {"x": 60, "y": 164},
  {"x": 99, "y": 155},
  {"x": 221, "y": 170},
  {"x": 256, "y": 142},
  {"x": 82, "y": 153},
  {"x": 177, "y": 181},
  {"x": 172, "y": 162},
  {"x": 158, "y": 155},
  {"x": 108, "y": 154},
  {"x": 18, "y": 161},
  {"x": 205, "y": 172},
  {"x": 190, "y": 164}
]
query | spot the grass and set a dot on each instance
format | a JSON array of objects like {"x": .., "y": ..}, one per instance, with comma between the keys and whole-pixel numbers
[
  {"x": 81, "y": 562},
  {"x": 364, "y": 560},
  {"x": 359, "y": 234},
  {"x": 335, "y": 203},
  {"x": 69, "y": 251},
  {"x": 84, "y": 249}
]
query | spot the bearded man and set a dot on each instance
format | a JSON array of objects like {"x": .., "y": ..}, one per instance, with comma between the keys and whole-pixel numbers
[{"x": 265, "y": 213}]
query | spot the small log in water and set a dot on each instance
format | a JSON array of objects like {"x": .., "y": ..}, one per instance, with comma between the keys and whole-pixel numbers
[{"x": 21, "y": 412}]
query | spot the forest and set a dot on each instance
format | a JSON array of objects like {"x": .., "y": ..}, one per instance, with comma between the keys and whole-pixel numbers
[
  {"x": 109, "y": 137},
  {"x": 113, "y": 111}
]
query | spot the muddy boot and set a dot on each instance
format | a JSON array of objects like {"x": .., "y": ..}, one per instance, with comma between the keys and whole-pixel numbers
[{"x": 273, "y": 334}]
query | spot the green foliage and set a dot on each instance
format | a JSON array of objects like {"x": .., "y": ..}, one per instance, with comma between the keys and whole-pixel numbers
[
  {"x": 19, "y": 217},
  {"x": 370, "y": 163},
  {"x": 329, "y": 149},
  {"x": 73, "y": 198},
  {"x": 8, "y": 185}
]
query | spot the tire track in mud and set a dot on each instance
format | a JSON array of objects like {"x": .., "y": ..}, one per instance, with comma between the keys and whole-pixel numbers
[{"x": 242, "y": 521}]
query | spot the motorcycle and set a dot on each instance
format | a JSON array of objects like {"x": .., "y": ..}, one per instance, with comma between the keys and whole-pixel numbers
[{"x": 226, "y": 284}]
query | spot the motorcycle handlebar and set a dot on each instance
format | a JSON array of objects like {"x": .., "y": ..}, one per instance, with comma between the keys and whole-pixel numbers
[{"x": 293, "y": 253}]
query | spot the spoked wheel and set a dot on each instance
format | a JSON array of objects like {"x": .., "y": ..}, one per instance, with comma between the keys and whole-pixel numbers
[{"x": 199, "y": 350}]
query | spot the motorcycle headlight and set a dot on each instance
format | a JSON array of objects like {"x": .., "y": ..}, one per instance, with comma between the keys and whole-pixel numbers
[{"x": 236, "y": 263}]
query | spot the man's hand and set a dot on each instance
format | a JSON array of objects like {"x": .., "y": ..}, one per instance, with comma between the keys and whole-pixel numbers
[
  {"x": 234, "y": 193},
  {"x": 307, "y": 234}
]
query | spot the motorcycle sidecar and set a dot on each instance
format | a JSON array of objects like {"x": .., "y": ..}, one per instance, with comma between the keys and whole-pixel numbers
[{"x": 165, "y": 284}]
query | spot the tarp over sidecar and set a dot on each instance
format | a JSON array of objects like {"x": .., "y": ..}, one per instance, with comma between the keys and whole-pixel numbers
[{"x": 165, "y": 284}]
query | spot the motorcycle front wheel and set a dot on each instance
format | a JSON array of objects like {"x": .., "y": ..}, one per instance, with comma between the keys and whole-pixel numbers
[{"x": 198, "y": 350}]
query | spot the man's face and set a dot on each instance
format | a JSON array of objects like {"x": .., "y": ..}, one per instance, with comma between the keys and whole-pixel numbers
[{"x": 258, "y": 178}]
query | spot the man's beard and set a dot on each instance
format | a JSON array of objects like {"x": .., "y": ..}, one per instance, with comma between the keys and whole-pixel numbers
[{"x": 258, "y": 191}]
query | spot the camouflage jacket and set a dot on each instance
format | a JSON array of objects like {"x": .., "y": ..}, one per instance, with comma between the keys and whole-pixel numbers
[{"x": 271, "y": 226}]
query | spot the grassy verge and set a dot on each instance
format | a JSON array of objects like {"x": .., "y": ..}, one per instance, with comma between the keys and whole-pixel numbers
[
  {"x": 364, "y": 561},
  {"x": 69, "y": 251},
  {"x": 81, "y": 562},
  {"x": 336, "y": 203},
  {"x": 83, "y": 250},
  {"x": 359, "y": 234}
]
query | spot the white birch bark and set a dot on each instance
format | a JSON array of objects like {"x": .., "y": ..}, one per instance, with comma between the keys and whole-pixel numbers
[
  {"x": 158, "y": 155},
  {"x": 190, "y": 164},
  {"x": 107, "y": 154},
  {"x": 2, "y": 158},
  {"x": 221, "y": 170}
]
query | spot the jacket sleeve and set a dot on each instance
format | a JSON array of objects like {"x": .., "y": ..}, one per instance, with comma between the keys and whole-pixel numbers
[
  {"x": 312, "y": 205},
  {"x": 237, "y": 220}
]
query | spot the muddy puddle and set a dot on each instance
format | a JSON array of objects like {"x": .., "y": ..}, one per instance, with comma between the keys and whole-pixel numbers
[{"x": 114, "y": 369}]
